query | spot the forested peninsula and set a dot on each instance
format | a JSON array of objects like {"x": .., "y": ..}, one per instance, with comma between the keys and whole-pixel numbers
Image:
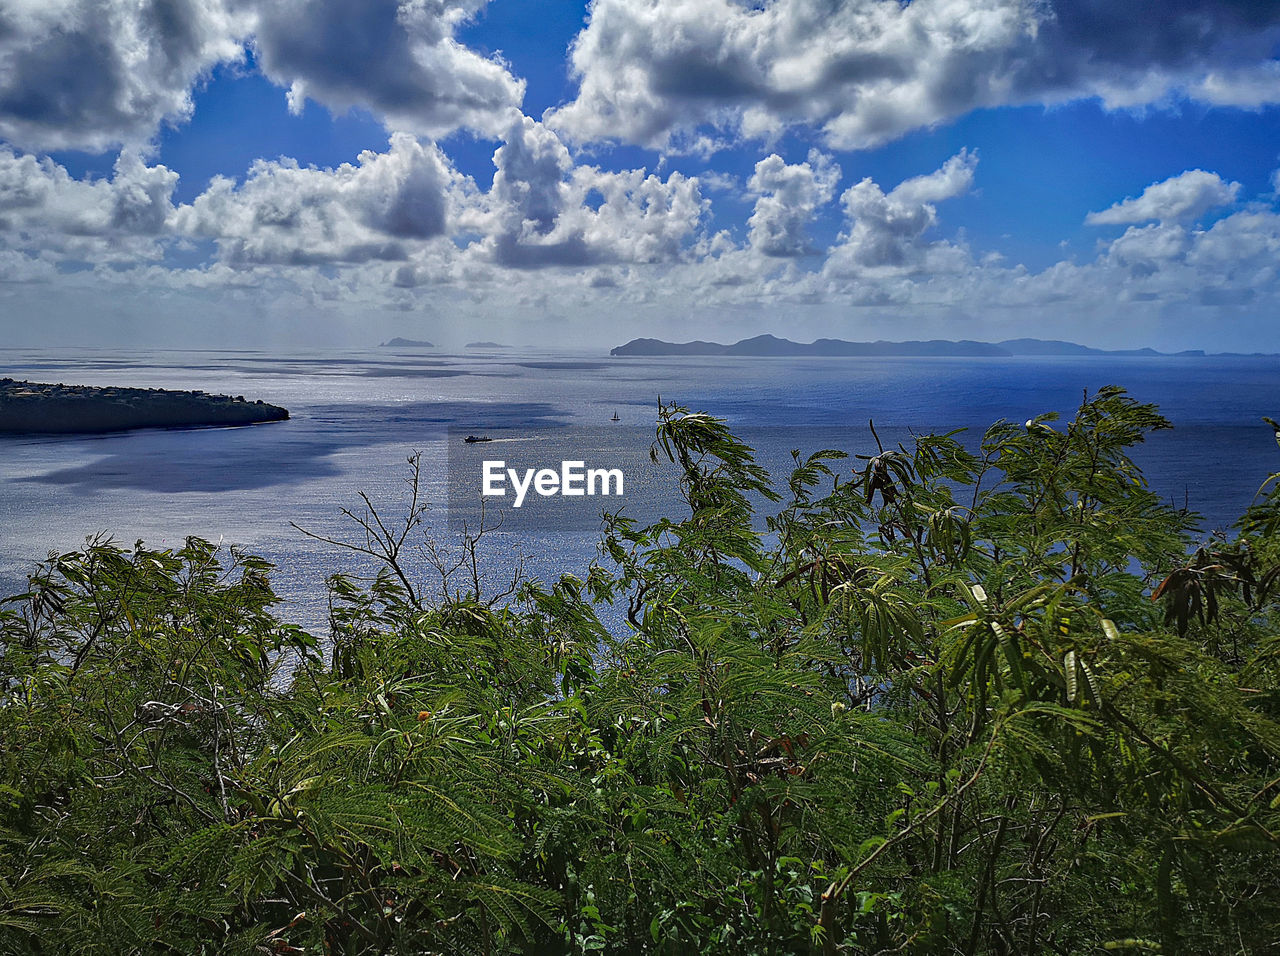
[{"x": 39, "y": 408}]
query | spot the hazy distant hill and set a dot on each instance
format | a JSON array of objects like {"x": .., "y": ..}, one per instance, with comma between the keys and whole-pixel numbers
[
  {"x": 766, "y": 345},
  {"x": 659, "y": 347},
  {"x": 487, "y": 345},
  {"x": 1054, "y": 347},
  {"x": 399, "y": 343},
  {"x": 772, "y": 345}
]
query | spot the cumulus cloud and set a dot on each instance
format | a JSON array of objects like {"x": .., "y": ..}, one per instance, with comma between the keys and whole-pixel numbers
[
  {"x": 1144, "y": 250},
  {"x": 1171, "y": 269},
  {"x": 1253, "y": 85},
  {"x": 788, "y": 198},
  {"x": 95, "y": 74},
  {"x": 529, "y": 182},
  {"x": 1245, "y": 244},
  {"x": 292, "y": 215},
  {"x": 402, "y": 229},
  {"x": 544, "y": 210},
  {"x": 1187, "y": 196},
  {"x": 38, "y": 195},
  {"x": 659, "y": 72},
  {"x": 641, "y": 218},
  {"x": 92, "y": 74},
  {"x": 17, "y": 267},
  {"x": 397, "y": 58},
  {"x": 887, "y": 230}
]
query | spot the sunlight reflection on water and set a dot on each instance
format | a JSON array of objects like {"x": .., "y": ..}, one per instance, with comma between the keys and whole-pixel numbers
[{"x": 357, "y": 416}]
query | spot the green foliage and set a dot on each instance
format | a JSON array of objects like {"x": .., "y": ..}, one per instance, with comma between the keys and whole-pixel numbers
[{"x": 944, "y": 699}]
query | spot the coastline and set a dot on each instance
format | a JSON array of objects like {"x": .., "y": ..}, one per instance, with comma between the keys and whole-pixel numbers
[{"x": 39, "y": 408}]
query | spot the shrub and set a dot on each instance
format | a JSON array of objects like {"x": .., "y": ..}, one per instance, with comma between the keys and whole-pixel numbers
[{"x": 948, "y": 700}]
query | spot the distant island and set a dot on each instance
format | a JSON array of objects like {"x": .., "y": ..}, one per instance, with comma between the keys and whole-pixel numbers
[
  {"x": 399, "y": 343},
  {"x": 486, "y": 345},
  {"x": 770, "y": 345},
  {"x": 37, "y": 408}
]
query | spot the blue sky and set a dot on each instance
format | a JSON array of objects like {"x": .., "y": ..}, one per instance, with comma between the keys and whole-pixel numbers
[{"x": 315, "y": 172}]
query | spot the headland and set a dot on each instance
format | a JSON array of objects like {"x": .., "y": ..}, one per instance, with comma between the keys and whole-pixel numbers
[{"x": 39, "y": 408}]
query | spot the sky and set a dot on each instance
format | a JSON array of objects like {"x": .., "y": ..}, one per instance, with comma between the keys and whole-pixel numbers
[{"x": 325, "y": 173}]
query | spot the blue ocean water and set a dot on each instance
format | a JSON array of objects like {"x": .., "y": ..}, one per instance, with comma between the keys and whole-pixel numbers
[{"x": 358, "y": 415}]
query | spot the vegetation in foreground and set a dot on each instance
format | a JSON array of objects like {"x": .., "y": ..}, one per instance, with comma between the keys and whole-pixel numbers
[{"x": 949, "y": 703}]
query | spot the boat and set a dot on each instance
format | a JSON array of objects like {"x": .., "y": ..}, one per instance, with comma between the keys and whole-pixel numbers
[
  {"x": 472, "y": 439},
  {"x": 615, "y": 417}
]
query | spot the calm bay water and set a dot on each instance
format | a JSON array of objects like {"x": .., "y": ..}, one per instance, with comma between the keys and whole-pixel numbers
[{"x": 357, "y": 416}]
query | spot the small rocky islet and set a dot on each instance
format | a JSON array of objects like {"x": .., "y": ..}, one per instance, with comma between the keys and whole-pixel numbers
[{"x": 32, "y": 408}]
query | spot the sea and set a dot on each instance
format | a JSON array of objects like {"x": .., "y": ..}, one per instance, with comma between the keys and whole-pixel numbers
[{"x": 358, "y": 416}]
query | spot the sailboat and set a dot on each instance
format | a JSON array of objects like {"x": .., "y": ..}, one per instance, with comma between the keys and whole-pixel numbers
[{"x": 615, "y": 417}]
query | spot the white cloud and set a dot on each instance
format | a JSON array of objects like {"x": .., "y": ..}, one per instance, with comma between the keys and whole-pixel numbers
[
  {"x": 92, "y": 74},
  {"x": 397, "y": 58},
  {"x": 97, "y": 74},
  {"x": 529, "y": 184},
  {"x": 292, "y": 215},
  {"x": 887, "y": 231},
  {"x": 402, "y": 230},
  {"x": 19, "y": 267},
  {"x": 1253, "y": 85},
  {"x": 788, "y": 199},
  {"x": 1144, "y": 250},
  {"x": 641, "y": 218},
  {"x": 1245, "y": 243},
  {"x": 545, "y": 211},
  {"x": 47, "y": 214},
  {"x": 1184, "y": 197},
  {"x": 141, "y": 196},
  {"x": 660, "y": 72}
]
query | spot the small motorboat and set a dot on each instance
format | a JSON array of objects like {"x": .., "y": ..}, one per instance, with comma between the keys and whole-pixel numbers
[{"x": 472, "y": 439}]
